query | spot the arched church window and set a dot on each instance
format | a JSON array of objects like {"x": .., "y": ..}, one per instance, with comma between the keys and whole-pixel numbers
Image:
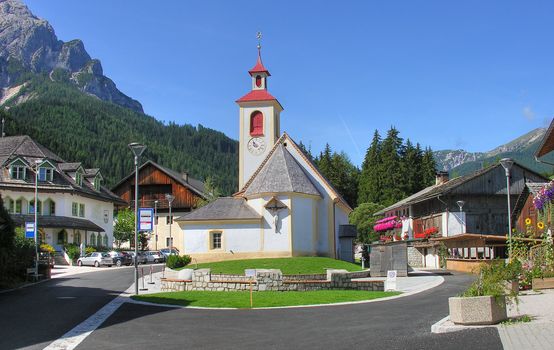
[
  {"x": 258, "y": 80},
  {"x": 257, "y": 124}
]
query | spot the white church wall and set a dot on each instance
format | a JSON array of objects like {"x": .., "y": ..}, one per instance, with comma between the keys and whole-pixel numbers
[
  {"x": 236, "y": 238},
  {"x": 302, "y": 225},
  {"x": 277, "y": 237}
]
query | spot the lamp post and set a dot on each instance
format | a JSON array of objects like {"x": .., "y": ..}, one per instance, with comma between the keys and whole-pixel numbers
[
  {"x": 156, "y": 224},
  {"x": 37, "y": 164},
  {"x": 461, "y": 205},
  {"x": 507, "y": 165},
  {"x": 137, "y": 149},
  {"x": 170, "y": 199}
]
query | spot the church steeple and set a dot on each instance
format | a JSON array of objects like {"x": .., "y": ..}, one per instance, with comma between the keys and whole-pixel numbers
[{"x": 259, "y": 121}]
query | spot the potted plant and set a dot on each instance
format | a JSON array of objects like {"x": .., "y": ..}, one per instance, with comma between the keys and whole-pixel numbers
[{"x": 484, "y": 302}]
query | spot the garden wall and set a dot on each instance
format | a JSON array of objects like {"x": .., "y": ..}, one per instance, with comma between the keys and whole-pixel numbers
[{"x": 273, "y": 280}]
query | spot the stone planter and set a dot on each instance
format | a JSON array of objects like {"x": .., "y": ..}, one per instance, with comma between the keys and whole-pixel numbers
[
  {"x": 543, "y": 283},
  {"x": 511, "y": 287},
  {"x": 477, "y": 310}
]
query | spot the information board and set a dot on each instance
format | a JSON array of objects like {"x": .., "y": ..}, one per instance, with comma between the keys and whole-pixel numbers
[{"x": 146, "y": 219}]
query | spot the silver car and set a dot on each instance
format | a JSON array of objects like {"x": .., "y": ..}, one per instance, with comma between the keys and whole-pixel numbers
[
  {"x": 154, "y": 257},
  {"x": 142, "y": 259},
  {"x": 95, "y": 259}
]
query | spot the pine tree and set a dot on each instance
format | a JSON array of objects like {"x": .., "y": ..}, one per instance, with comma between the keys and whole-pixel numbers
[
  {"x": 411, "y": 168},
  {"x": 428, "y": 168},
  {"x": 306, "y": 150},
  {"x": 369, "y": 188},
  {"x": 391, "y": 168}
]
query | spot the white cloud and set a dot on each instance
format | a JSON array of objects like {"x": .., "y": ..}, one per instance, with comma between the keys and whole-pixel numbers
[{"x": 528, "y": 113}]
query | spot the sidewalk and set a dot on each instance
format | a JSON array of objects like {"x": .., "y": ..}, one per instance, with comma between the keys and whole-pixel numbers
[{"x": 536, "y": 335}]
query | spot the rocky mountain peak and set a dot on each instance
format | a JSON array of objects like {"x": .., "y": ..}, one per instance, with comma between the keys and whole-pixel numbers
[{"x": 29, "y": 44}]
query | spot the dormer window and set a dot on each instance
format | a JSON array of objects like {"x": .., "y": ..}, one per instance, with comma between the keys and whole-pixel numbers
[
  {"x": 97, "y": 182},
  {"x": 18, "y": 170},
  {"x": 79, "y": 178},
  {"x": 45, "y": 174}
]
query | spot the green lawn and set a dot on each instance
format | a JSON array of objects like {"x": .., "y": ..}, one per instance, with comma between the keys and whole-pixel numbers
[
  {"x": 261, "y": 299},
  {"x": 288, "y": 266}
]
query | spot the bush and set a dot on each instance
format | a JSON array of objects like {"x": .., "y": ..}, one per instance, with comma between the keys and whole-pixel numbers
[
  {"x": 176, "y": 261},
  {"x": 72, "y": 251},
  {"x": 492, "y": 280},
  {"x": 47, "y": 248},
  {"x": 89, "y": 250}
]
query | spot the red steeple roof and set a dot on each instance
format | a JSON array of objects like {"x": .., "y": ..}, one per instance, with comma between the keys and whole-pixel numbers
[{"x": 259, "y": 67}]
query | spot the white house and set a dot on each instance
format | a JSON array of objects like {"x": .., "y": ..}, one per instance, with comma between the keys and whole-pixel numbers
[
  {"x": 285, "y": 207},
  {"x": 73, "y": 205}
]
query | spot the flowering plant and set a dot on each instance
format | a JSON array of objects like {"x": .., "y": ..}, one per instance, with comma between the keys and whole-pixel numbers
[
  {"x": 387, "y": 224},
  {"x": 545, "y": 195},
  {"x": 427, "y": 233}
]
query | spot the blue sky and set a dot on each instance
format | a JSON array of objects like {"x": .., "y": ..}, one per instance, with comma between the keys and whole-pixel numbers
[{"x": 465, "y": 74}]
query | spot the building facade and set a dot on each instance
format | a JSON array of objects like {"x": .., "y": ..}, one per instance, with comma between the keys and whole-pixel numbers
[
  {"x": 73, "y": 205},
  {"x": 284, "y": 207},
  {"x": 155, "y": 183}
]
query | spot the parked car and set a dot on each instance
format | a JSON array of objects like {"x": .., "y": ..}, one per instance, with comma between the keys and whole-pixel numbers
[
  {"x": 166, "y": 252},
  {"x": 154, "y": 257},
  {"x": 45, "y": 258},
  {"x": 95, "y": 259},
  {"x": 121, "y": 258},
  {"x": 141, "y": 257}
]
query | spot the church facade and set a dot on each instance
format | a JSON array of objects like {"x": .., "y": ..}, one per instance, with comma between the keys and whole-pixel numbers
[{"x": 284, "y": 208}]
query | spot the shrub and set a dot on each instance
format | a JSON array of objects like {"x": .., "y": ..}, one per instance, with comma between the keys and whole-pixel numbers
[
  {"x": 89, "y": 250},
  {"x": 492, "y": 280},
  {"x": 72, "y": 251},
  {"x": 47, "y": 248},
  {"x": 176, "y": 261}
]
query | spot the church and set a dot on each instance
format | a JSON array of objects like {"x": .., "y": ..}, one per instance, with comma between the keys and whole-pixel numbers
[{"x": 284, "y": 207}]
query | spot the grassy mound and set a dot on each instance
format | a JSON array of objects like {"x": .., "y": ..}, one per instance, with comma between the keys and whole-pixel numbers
[
  {"x": 288, "y": 266},
  {"x": 260, "y": 299}
]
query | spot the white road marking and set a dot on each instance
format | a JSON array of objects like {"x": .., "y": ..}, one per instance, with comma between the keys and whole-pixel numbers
[{"x": 74, "y": 337}]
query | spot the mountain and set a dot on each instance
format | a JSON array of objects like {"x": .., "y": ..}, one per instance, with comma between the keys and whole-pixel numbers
[
  {"x": 28, "y": 44},
  {"x": 522, "y": 150},
  {"x": 55, "y": 93}
]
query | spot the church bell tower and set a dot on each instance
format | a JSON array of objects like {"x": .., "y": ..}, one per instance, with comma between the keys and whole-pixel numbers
[{"x": 259, "y": 121}]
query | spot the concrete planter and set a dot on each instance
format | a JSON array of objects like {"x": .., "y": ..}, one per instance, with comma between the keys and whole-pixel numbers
[
  {"x": 477, "y": 310},
  {"x": 511, "y": 287},
  {"x": 543, "y": 283}
]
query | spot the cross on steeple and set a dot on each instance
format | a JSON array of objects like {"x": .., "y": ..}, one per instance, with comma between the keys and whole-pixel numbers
[{"x": 259, "y": 37}]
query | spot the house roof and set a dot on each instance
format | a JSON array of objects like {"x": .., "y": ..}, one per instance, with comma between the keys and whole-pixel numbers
[
  {"x": 547, "y": 144},
  {"x": 191, "y": 183},
  {"x": 442, "y": 189},
  {"x": 281, "y": 173},
  {"x": 27, "y": 149},
  {"x": 58, "y": 222},
  {"x": 223, "y": 208},
  {"x": 285, "y": 138}
]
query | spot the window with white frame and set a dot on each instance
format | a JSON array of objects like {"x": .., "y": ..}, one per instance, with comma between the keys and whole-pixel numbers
[
  {"x": 32, "y": 207},
  {"x": 19, "y": 206},
  {"x": 169, "y": 242},
  {"x": 18, "y": 171},
  {"x": 75, "y": 209},
  {"x": 79, "y": 178},
  {"x": 82, "y": 210},
  {"x": 97, "y": 183},
  {"x": 216, "y": 240},
  {"x": 45, "y": 174}
]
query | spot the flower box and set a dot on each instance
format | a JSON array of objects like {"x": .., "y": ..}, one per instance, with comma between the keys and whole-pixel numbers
[{"x": 543, "y": 283}]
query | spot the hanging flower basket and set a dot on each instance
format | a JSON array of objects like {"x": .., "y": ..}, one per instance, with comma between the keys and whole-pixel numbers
[{"x": 544, "y": 196}]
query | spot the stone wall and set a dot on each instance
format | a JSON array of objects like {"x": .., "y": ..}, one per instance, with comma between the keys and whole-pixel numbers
[
  {"x": 415, "y": 257},
  {"x": 273, "y": 280}
]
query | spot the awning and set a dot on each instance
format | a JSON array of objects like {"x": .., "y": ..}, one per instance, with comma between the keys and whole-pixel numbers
[{"x": 62, "y": 222}]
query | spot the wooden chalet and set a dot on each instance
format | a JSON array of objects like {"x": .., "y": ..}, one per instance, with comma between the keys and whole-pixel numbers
[{"x": 155, "y": 181}]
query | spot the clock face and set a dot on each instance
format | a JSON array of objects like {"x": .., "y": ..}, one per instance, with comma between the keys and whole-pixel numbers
[{"x": 256, "y": 145}]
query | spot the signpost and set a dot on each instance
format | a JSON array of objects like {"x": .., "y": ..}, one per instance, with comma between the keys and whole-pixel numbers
[
  {"x": 390, "y": 283},
  {"x": 146, "y": 219},
  {"x": 29, "y": 230}
]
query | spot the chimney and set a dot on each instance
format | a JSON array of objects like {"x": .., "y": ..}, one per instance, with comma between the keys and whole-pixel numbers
[
  {"x": 441, "y": 177},
  {"x": 185, "y": 176}
]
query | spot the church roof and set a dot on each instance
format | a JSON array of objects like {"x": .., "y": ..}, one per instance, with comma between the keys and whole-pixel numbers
[
  {"x": 258, "y": 95},
  {"x": 259, "y": 67},
  {"x": 224, "y": 208},
  {"x": 281, "y": 173}
]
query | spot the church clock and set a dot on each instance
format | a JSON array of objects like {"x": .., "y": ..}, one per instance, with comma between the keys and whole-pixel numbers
[{"x": 256, "y": 146}]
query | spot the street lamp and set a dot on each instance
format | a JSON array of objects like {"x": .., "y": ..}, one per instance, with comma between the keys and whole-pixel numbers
[
  {"x": 461, "y": 205},
  {"x": 137, "y": 149},
  {"x": 507, "y": 165},
  {"x": 170, "y": 199},
  {"x": 156, "y": 223},
  {"x": 37, "y": 164}
]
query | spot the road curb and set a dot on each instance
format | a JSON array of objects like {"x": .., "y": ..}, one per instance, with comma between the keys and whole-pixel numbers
[{"x": 447, "y": 326}]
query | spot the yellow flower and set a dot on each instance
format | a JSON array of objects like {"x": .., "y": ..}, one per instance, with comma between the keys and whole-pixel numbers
[
  {"x": 540, "y": 225},
  {"x": 528, "y": 221}
]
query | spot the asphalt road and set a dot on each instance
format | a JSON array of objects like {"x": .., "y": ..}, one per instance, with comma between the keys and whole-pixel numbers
[
  {"x": 403, "y": 323},
  {"x": 34, "y": 316}
]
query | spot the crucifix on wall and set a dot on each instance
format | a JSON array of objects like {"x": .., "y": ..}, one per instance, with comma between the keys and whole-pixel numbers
[{"x": 274, "y": 205}]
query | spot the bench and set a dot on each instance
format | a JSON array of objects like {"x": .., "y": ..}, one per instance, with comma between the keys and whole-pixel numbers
[{"x": 173, "y": 284}]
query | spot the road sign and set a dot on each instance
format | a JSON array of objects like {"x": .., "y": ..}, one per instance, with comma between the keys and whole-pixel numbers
[
  {"x": 29, "y": 230},
  {"x": 146, "y": 219}
]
